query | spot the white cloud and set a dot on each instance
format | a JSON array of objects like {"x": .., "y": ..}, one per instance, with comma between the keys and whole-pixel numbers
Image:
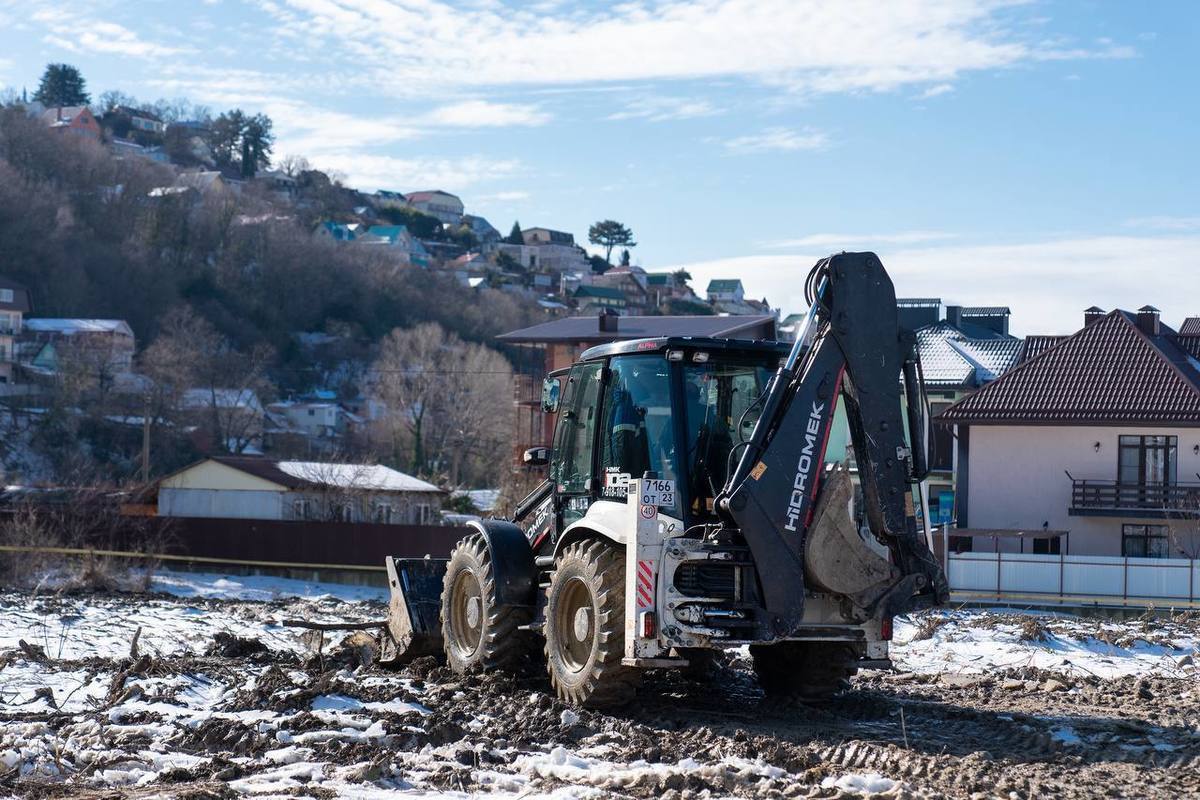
[
  {"x": 77, "y": 33},
  {"x": 484, "y": 114},
  {"x": 1046, "y": 283},
  {"x": 776, "y": 140},
  {"x": 797, "y": 44},
  {"x": 661, "y": 109},
  {"x": 934, "y": 91},
  {"x": 847, "y": 241},
  {"x": 1165, "y": 223},
  {"x": 369, "y": 172},
  {"x": 503, "y": 197}
]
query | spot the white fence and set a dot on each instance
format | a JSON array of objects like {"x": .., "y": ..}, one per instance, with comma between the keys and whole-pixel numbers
[{"x": 1093, "y": 577}]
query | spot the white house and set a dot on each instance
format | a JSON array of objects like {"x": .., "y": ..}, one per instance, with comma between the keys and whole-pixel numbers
[
  {"x": 247, "y": 487},
  {"x": 448, "y": 208},
  {"x": 1097, "y": 434}
]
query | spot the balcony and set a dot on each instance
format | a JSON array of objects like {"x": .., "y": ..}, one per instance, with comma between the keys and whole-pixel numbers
[{"x": 1097, "y": 498}]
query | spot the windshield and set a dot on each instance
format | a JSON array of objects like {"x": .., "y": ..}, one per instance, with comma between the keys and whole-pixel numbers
[{"x": 721, "y": 405}]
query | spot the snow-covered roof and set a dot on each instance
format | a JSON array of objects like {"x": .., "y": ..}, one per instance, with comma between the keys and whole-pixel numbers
[
  {"x": 68, "y": 327},
  {"x": 355, "y": 476}
]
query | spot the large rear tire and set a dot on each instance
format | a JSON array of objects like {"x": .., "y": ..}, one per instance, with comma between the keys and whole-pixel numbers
[
  {"x": 585, "y": 627},
  {"x": 807, "y": 670},
  {"x": 478, "y": 632}
]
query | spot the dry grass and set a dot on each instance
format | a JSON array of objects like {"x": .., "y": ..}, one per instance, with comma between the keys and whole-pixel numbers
[
  {"x": 1032, "y": 629},
  {"x": 928, "y": 625}
]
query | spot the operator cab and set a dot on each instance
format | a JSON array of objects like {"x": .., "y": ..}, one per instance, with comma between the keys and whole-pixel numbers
[{"x": 676, "y": 408}]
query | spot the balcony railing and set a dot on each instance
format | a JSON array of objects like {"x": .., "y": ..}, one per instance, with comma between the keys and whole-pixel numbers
[{"x": 1115, "y": 499}]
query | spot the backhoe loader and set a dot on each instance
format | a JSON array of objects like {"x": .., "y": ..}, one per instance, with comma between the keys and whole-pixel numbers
[{"x": 689, "y": 509}]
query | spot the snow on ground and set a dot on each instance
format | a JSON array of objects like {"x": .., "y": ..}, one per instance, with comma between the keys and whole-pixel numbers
[
  {"x": 280, "y": 725},
  {"x": 257, "y": 587},
  {"x": 975, "y": 641}
]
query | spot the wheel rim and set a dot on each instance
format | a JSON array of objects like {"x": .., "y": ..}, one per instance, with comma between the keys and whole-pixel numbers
[
  {"x": 575, "y": 624},
  {"x": 466, "y": 614}
]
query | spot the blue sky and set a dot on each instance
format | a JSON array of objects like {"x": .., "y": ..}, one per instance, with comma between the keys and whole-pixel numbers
[{"x": 1037, "y": 154}]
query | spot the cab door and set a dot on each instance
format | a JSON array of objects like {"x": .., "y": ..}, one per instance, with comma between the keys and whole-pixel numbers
[{"x": 573, "y": 460}]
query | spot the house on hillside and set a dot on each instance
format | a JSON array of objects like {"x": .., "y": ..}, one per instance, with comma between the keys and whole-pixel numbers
[
  {"x": 728, "y": 296},
  {"x": 487, "y": 236},
  {"x": 249, "y": 487},
  {"x": 541, "y": 349},
  {"x": 107, "y": 343},
  {"x": 725, "y": 290},
  {"x": 385, "y": 199},
  {"x": 546, "y": 249},
  {"x": 593, "y": 299},
  {"x": 446, "y": 207},
  {"x": 633, "y": 283},
  {"x": 77, "y": 120},
  {"x": 1097, "y": 434},
  {"x": 15, "y": 303}
]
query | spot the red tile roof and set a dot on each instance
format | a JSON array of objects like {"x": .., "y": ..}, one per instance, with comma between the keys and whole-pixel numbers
[{"x": 1110, "y": 372}]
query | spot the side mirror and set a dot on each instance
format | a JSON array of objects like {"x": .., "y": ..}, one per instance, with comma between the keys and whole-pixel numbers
[
  {"x": 551, "y": 388},
  {"x": 537, "y": 457}
]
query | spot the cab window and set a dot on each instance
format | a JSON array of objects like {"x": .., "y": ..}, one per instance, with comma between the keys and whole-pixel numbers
[
  {"x": 721, "y": 408},
  {"x": 637, "y": 434},
  {"x": 574, "y": 438}
]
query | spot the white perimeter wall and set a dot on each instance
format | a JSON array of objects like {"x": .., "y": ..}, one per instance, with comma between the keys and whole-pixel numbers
[
  {"x": 222, "y": 503},
  {"x": 1017, "y": 480}
]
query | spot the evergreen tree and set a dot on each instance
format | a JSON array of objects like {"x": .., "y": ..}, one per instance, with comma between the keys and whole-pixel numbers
[
  {"x": 62, "y": 85},
  {"x": 514, "y": 236},
  {"x": 257, "y": 140},
  {"x": 625, "y": 257}
]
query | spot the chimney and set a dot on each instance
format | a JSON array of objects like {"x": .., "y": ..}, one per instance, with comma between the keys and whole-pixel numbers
[
  {"x": 1091, "y": 315},
  {"x": 954, "y": 315},
  {"x": 608, "y": 321},
  {"x": 1147, "y": 320}
]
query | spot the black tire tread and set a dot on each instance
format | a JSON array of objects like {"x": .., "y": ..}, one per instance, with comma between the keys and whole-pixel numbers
[
  {"x": 608, "y": 683},
  {"x": 504, "y": 645}
]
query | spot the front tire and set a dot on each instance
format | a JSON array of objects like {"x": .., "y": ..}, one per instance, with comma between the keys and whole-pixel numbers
[
  {"x": 585, "y": 627},
  {"x": 478, "y": 632},
  {"x": 806, "y": 670}
]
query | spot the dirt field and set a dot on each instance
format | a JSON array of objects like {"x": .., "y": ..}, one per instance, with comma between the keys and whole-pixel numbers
[{"x": 216, "y": 699}]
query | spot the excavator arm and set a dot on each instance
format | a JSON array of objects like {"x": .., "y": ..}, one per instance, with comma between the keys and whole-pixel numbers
[{"x": 851, "y": 350}]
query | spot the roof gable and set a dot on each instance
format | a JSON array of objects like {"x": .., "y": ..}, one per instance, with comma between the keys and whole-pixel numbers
[{"x": 1110, "y": 372}]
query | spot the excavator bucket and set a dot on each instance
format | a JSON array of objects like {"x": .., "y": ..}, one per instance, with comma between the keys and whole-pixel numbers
[
  {"x": 414, "y": 623},
  {"x": 836, "y": 557}
]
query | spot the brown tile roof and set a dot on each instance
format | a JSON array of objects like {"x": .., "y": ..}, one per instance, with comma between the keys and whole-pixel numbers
[
  {"x": 1038, "y": 344},
  {"x": 1110, "y": 372},
  {"x": 587, "y": 328}
]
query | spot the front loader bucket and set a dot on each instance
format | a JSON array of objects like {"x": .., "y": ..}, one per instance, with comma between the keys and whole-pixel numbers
[
  {"x": 836, "y": 557},
  {"x": 414, "y": 624}
]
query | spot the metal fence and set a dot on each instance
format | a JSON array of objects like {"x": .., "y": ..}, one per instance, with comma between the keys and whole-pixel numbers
[{"x": 1165, "y": 580}]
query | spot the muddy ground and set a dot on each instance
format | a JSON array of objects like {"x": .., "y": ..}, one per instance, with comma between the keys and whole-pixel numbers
[{"x": 229, "y": 715}]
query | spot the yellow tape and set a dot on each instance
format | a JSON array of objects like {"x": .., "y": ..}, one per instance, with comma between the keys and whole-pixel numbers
[{"x": 79, "y": 551}]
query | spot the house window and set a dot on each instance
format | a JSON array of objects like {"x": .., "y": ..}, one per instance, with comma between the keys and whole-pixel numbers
[
  {"x": 422, "y": 513},
  {"x": 1146, "y": 460},
  {"x": 1047, "y": 547},
  {"x": 1145, "y": 541},
  {"x": 300, "y": 509},
  {"x": 6, "y": 295},
  {"x": 383, "y": 513}
]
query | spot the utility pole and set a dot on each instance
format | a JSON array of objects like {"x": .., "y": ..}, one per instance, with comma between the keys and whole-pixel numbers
[{"x": 146, "y": 441}]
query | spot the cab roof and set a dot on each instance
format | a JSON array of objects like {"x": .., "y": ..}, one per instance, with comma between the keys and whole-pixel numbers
[{"x": 659, "y": 343}]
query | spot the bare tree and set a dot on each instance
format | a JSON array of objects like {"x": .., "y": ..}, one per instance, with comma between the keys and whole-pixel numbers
[
  {"x": 1183, "y": 523},
  {"x": 409, "y": 374}
]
